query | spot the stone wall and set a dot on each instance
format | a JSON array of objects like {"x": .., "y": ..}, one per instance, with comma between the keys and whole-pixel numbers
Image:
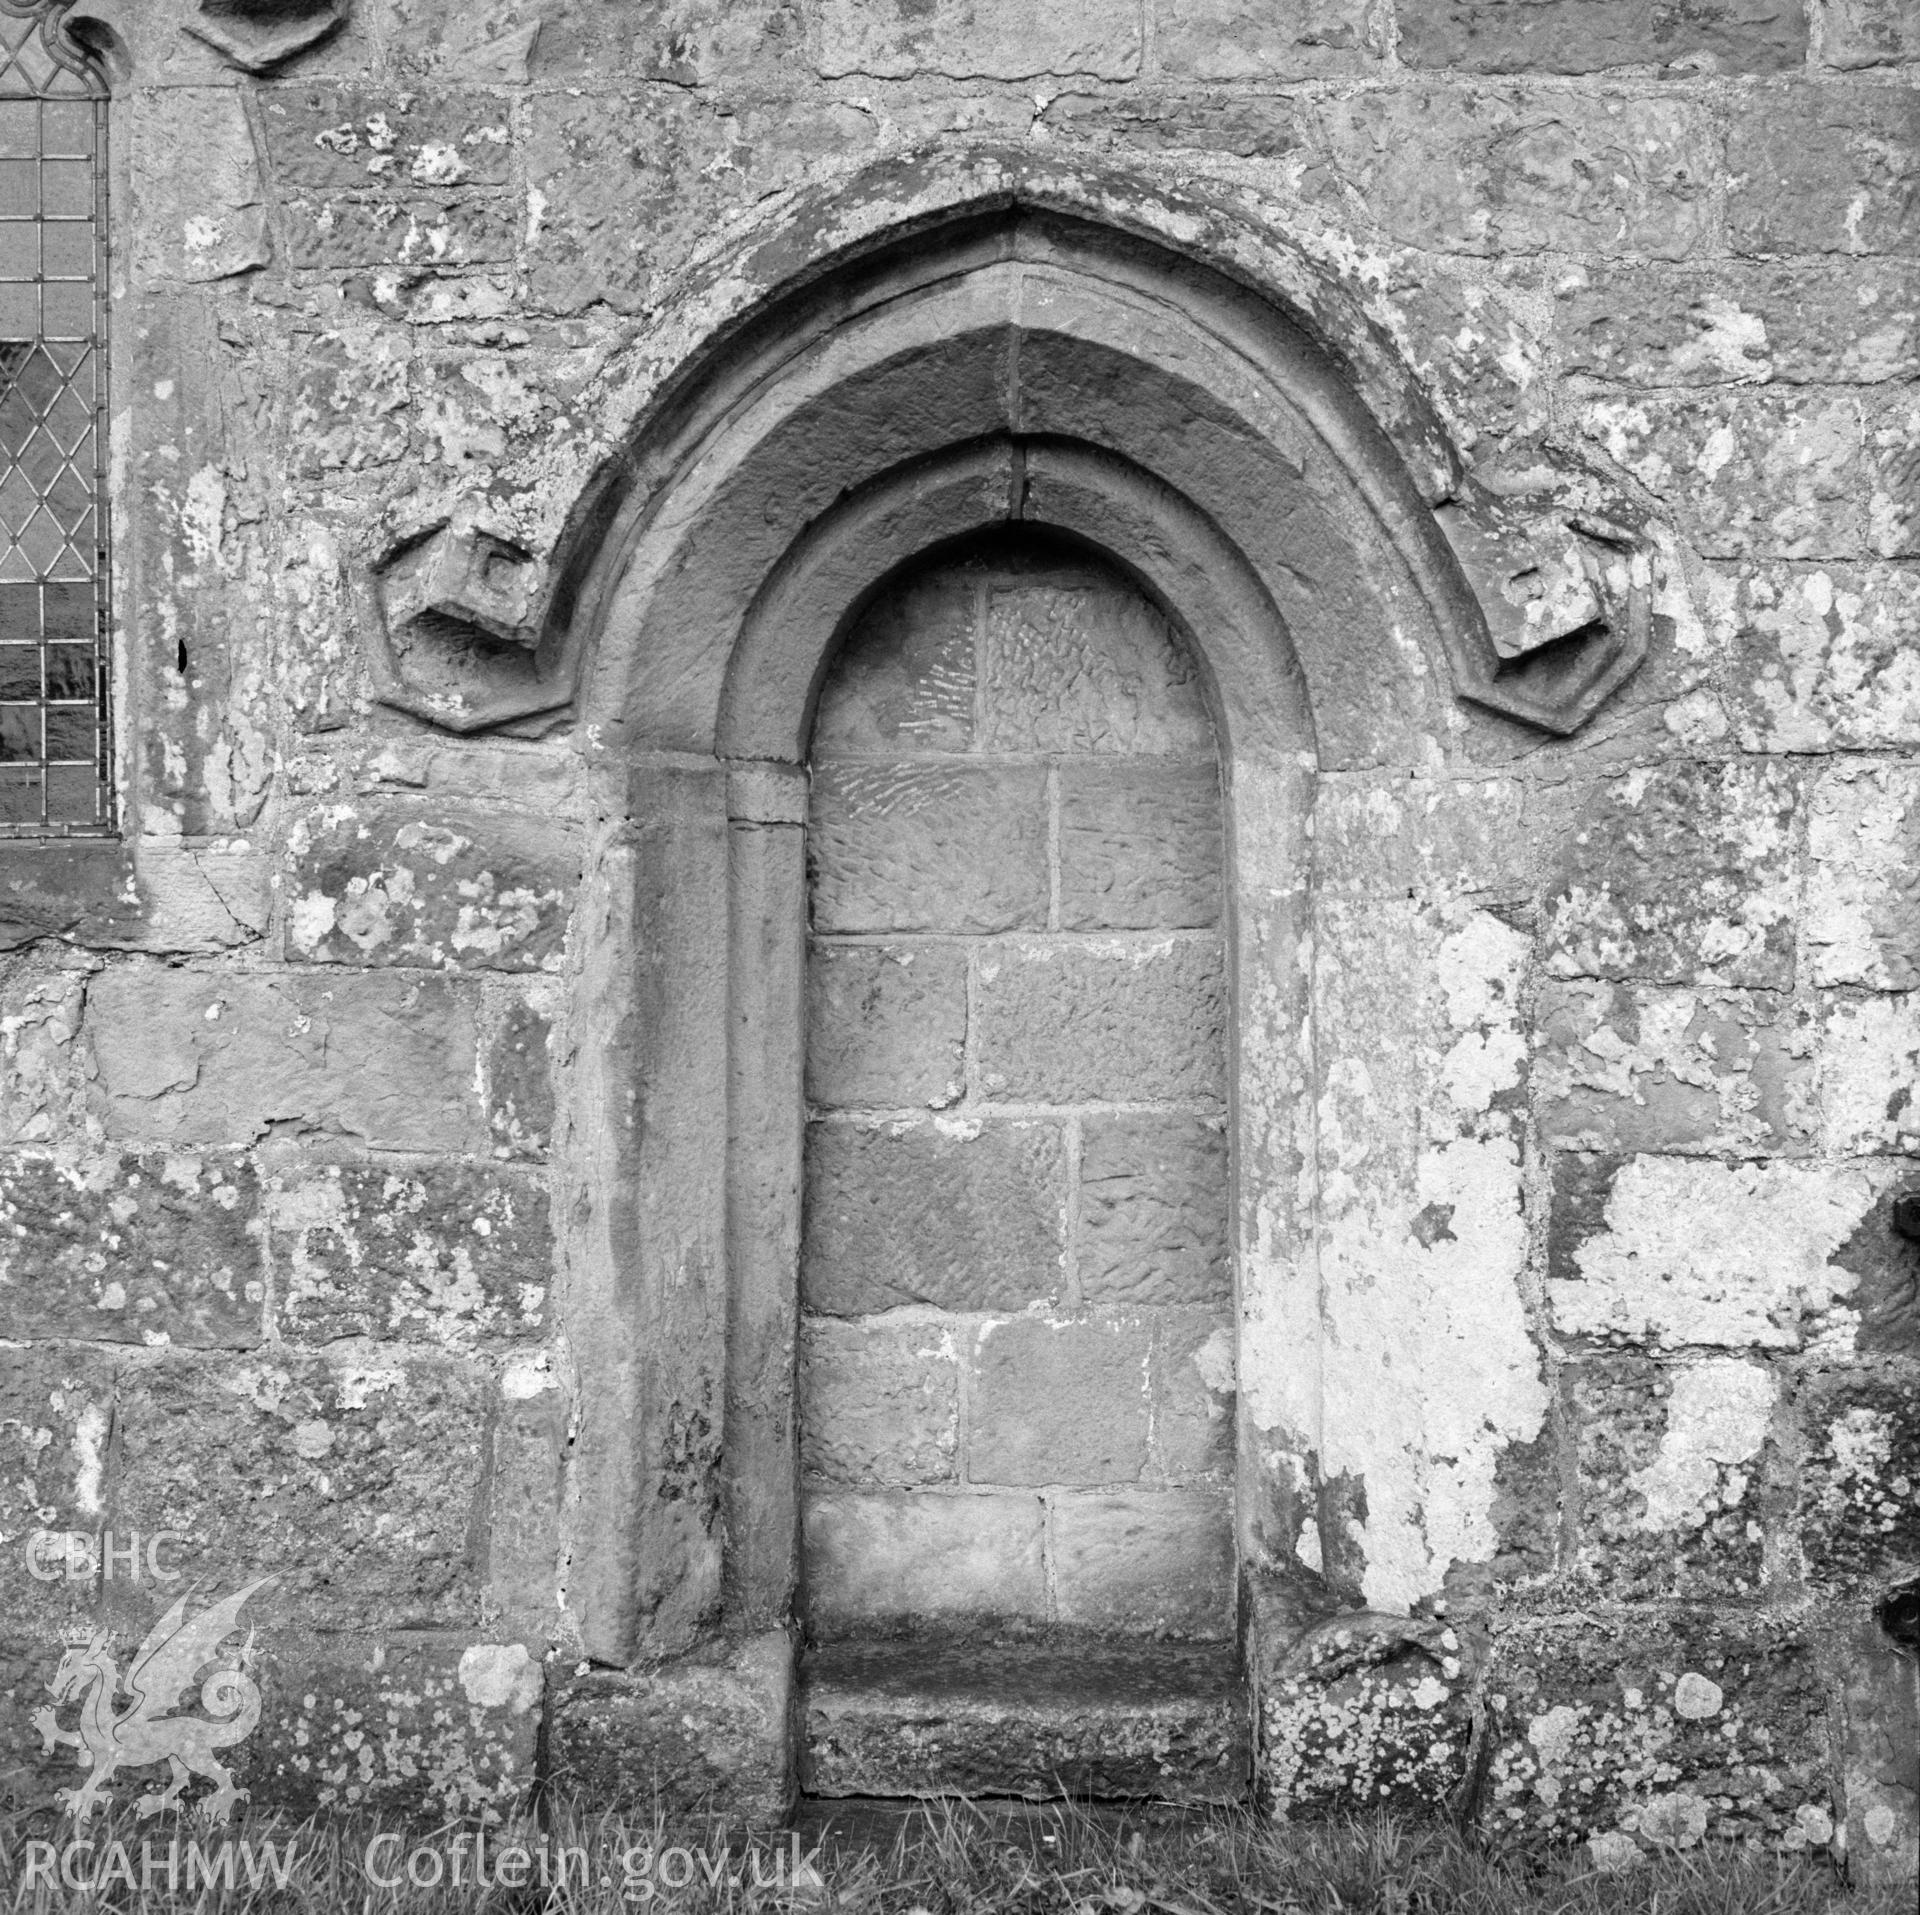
[
  {"x": 1016, "y": 1057},
  {"x": 1611, "y": 1449}
]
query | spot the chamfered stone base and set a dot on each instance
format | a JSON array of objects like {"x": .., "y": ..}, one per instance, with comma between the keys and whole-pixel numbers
[
  {"x": 1879, "y": 1756},
  {"x": 958, "y": 1716},
  {"x": 704, "y": 1734},
  {"x": 1361, "y": 1711}
]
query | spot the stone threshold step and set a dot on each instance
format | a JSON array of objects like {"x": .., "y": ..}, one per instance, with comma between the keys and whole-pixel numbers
[
  {"x": 845, "y": 1826},
  {"x": 924, "y": 1717}
]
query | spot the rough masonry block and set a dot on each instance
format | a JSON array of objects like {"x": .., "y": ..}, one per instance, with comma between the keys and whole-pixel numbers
[
  {"x": 963, "y": 1215},
  {"x": 980, "y": 39},
  {"x": 887, "y": 1557},
  {"x": 1153, "y": 1212},
  {"x": 33, "y": 1772},
  {"x": 1256, "y": 40},
  {"x": 1869, "y": 33},
  {"x": 886, "y": 1025},
  {"x": 1672, "y": 1464},
  {"x": 431, "y": 887},
  {"x": 1879, "y": 1737},
  {"x": 1869, "y": 1066},
  {"x": 132, "y": 1250},
  {"x": 520, "y": 1081},
  {"x": 1588, "y": 36},
  {"x": 1790, "y": 320},
  {"x": 42, "y": 1083},
  {"x": 1103, "y": 1019},
  {"x": 200, "y": 900},
  {"x": 442, "y": 1253},
  {"x": 201, "y": 223},
  {"x": 1261, "y": 126},
  {"x": 631, "y": 183},
  {"x": 1626, "y": 1068},
  {"x": 1679, "y": 1250},
  {"x": 1892, "y": 424},
  {"x": 1529, "y": 1512},
  {"x": 351, "y": 404},
  {"x": 1072, "y": 662},
  {"x": 1191, "y": 1380},
  {"x": 1058, "y": 1403},
  {"x": 401, "y": 229},
  {"x": 1140, "y": 846},
  {"x": 358, "y": 138},
  {"x": 1679, "y": 874},
  {"x": 1863, "y": 906},
  {"x": 1831, "y": 170},
  {"x": 1824, "y": 657},
  {"x": 56, "y": 1417},
  {"x": 1859, "y": 1518},
  {"x": 433, "y": 1728},
  {"x": 903, "y": 681},
  {"x": 1511, "y": 170},
  {"x": 575, "y": 41},
  {"x": 353, "y": 1485},
  {"x": 1671, "y": 1729},
  {"x": 1775, "y": 472},
  {"x": 1373, "y": 997},
  {"x": 928, "y": 848},
  {"x": 879, "y": 1403},
  {"x": 192, "y": 1058},
  {"x": 531, "y": 1440},
  {"x": 1155, "y": 1562}
]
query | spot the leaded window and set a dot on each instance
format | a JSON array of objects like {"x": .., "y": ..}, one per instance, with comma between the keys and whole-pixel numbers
[{"x": 55, "y": 736}]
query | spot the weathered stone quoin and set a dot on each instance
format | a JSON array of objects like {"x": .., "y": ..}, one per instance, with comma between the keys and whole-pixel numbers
[{"x": 1002, "y": 897}]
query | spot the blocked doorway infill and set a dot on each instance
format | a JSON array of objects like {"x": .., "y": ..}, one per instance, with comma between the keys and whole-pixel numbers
[{"x": 1016, "y": 1339}]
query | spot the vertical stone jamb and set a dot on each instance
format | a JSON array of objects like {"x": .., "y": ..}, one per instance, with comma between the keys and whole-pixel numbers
[
  {"x": 1053, "y": 847},
  {"x": 766, "y": 1114},
  {"x": 1272, "y": 1083},
  {"x": 1073, "y": 1139},
  {"x": 648, "y": 1291}
]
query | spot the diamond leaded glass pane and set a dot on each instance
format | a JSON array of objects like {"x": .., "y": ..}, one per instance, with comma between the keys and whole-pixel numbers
[{"x": 55, "y": 760}]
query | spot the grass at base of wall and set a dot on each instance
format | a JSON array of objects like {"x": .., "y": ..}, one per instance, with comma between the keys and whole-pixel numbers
[{"x": 945, "y": 1859}]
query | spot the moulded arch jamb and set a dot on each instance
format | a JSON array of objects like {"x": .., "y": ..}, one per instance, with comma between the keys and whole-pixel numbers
[
  {"x": 1260, "y": 700},
  {"x": 1038, "y": 343},
  {"x": 1265, "y": 733},
  {"x": 1022, "y": 383}
]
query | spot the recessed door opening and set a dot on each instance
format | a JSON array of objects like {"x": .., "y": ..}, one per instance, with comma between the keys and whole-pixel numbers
[{"x": 1016, "y": 1342}]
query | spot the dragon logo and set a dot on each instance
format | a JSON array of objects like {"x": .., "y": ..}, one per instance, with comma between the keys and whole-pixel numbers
[{"x": 162, "y": 1672}]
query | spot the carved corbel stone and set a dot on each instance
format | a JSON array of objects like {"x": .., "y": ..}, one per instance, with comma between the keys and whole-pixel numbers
[
  {"x": 1564, "y": 585},
  {"x": 454, "y": 633},
  {"x": 262, "y": 34}
]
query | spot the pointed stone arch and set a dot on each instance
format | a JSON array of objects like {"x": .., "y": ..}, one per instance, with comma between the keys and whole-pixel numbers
[
  {"x": 1025, "y": 324},
  {"x": 1012, "y": 362}
]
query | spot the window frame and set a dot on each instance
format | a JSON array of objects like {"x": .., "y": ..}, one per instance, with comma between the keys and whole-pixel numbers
[{"x": 75, "y": 681}]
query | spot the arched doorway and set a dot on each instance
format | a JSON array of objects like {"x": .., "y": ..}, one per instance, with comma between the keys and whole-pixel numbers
[
  {"x": 1010, "y": 366},
  {"x": 1016, "y": 1334}
]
